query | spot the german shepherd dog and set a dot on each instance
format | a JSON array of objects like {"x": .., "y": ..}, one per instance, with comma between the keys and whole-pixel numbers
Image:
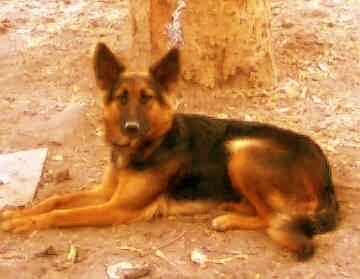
[{"x": 165, "y": 163}]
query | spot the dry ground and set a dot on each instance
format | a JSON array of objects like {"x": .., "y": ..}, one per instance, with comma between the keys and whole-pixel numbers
[{"x": 45, "y": 67}]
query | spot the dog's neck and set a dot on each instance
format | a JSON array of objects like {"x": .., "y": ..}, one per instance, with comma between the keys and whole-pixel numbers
[
  {"x": 146, "y": 152},
  {"x": 123, "y": 158}
]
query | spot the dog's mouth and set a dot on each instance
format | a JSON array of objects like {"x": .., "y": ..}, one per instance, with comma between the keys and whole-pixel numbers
[
  {"x": 121, "y": 145},
  {"x": 125, "y": 144}
]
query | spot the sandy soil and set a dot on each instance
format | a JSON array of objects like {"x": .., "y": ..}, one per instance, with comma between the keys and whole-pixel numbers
[{"x": 48, "y": 99}]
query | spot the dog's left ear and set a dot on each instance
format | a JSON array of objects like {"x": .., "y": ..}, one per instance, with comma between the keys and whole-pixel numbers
[{"x": 167, "y": 69}]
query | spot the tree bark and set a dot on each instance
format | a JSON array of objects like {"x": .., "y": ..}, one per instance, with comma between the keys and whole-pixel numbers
[{"x": 223, "y": 42}]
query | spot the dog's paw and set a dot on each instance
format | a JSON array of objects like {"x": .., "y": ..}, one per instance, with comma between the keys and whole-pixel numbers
[
  {"x": 221, "y": 223},
  {"x": 18, "y": 225}
]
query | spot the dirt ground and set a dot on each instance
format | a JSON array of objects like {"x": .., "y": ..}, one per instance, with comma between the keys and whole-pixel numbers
[{"x": 49, "y": 99}]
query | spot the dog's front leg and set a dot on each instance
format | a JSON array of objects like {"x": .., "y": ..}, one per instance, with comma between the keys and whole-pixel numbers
[
  {"x": 97, "y": 195},
  {"x": 135, "y": 192},
  {"x": 55, "y": 202},
  {"x": 95, "y": 215},
  {"x": 107, "y": 213}
]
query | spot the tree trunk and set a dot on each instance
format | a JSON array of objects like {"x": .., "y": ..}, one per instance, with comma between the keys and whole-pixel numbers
[{"x": 223, "y": 42}]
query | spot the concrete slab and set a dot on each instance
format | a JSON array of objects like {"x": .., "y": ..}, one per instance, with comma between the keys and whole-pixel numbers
[{"x": 20, "y": 173}]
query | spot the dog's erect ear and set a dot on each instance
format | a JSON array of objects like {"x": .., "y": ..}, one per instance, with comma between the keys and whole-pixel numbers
[
  {"x": 167, "y": 69},
  {"x": 106, "y": 67}
]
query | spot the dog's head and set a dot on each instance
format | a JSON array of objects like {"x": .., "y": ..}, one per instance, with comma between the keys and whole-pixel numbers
[{"x": 137, "y": 106}]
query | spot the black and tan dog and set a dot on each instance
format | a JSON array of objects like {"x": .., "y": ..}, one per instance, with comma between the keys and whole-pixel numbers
[{"x": 165, "y": 163}]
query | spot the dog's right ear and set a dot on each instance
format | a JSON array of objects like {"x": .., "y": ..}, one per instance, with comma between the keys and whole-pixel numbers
[{"x": 106, "y": 67}]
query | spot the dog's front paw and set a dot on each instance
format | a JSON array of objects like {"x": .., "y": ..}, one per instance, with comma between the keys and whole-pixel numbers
[{"x": 18, "y": 225}]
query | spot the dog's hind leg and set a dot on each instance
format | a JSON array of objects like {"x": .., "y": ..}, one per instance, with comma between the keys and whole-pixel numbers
[
  {"x": 233, "y": 221},
  {"x": 242, "y": 207},
  {"x": 278, "y": 187},
  {"x": 163, "y": 206}
]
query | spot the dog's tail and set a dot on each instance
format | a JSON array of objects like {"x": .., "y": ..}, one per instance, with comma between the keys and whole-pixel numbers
[
  {"x": 322, "y": 220},
  {"x": 296, "y": 230},
  {"x": 311, "y": 224}
]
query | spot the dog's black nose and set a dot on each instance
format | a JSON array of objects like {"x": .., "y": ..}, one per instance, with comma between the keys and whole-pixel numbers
[{"x": 131, "y": 127}]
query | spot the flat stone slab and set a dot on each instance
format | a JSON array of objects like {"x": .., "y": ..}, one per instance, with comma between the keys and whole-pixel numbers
[{"x": 20, "y": 173}]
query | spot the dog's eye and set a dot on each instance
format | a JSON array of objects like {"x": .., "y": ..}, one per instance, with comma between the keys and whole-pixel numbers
[
  {"x": 123, "y": 97},
  {"x": 145, "y": 97}
]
